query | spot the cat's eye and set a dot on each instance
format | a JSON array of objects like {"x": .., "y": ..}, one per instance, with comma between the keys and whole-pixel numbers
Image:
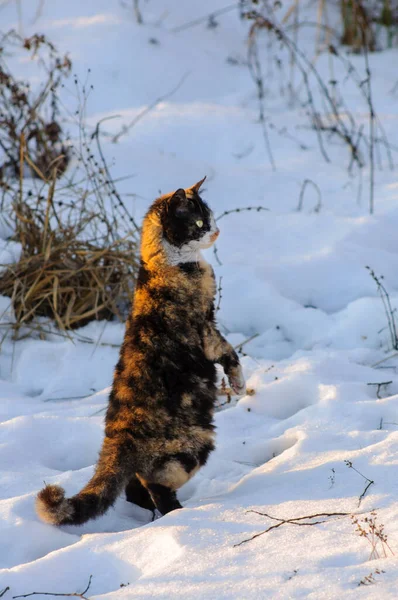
[{"x": 199, "y": 223}]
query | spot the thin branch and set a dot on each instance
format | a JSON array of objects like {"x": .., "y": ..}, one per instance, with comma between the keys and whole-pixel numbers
[
  {"x": 257, "y": 75},
  {"x": 294, "y": 521},
  {"x": 307, "y": 182},
  {"x": 376, "y": 364},
  {"x": 71, "y": 594},
  {"x": 379, "y": 387},
  {"x": 238, "y": 210},
  {"x": 371, "y": 130},
  {"x": 369, "y": 481},
  {"x": 206, "y": 18},
  {"x": 110, "y": 181},
  {"x": 137, "y": 12},
  {"x": 252, "y": 337},
  {"x": 126, "y": 128}
]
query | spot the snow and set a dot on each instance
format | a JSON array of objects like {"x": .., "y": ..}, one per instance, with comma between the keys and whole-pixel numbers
[{"x": 295, "y": 278}]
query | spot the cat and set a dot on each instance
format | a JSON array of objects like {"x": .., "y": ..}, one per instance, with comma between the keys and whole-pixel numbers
[{"x": 159, "y": 423}]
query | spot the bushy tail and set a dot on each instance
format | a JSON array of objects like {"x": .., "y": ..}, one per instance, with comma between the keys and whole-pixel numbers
[{"x": 94, "y": 499}]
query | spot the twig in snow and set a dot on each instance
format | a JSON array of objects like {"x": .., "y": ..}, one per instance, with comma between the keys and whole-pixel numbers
[
  {"x": 368, "y": 82},
  {"x": 4, "y": 591},
  {"x": 301, "y": 198},
  {"x": 379, "y": 362},
  {"x": 257, "y": 75},
  {"x": 238, "y": 347},
  {"x": 369, "y": 579},
  {"x": 63, "y": 399},
  {"x": 379, "y": 387},
  {"x": 295, "y": 521},
  {"x": 369, "y": 482},
  {"x": 71, "y": 594},
  {"x": 137, "y": 12},
  {"x": 373, "y": 532},
  {"x": 387, "y": 308},
  {"x": 209, "y": 17},
  {"x": 126, "y": 128}
]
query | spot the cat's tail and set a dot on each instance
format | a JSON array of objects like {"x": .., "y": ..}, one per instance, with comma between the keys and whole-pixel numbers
[{"x": 94, "y": 499}]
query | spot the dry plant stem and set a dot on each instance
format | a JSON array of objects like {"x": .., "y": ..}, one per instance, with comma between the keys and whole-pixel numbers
[
  {"x": 379, "y": 385},
  {"x": 39, "y": 11},
  {"x": 252, "y": 337},
  {"x": 374, "y": 533},
  {"x": 206, "y": 18},
  {"x": 238, "y": 210},
  {"x": 371, "y": 130},
  {"x": 369, "y": 579},
  {"x": 384, "y": 360},
  {"x": 366, "y": 90},
  {"x": 369, "y": 482},
  {"x": 256, "y": 73},
  {"x": 110, "y": 182},
  {"x": 72, "y": 267},
  {"x": 35, "y": 115},
  {"x": 72, "y": 594},
  {"x": 4, "y": 591},
  {"x": 137, "y": 12},
  {"x": 295, "y": 521},
  {"x": 306, "y": 67},
  {"x": 228, "y": 212},
  {"x": 387, "y": 308},
  {"x": 307, "y": 182},
  {"x": 126, "y": 128},
  {"x": 321, "y": 9}
]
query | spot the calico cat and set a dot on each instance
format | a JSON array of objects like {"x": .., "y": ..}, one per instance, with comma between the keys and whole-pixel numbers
[{"x": 159, "y": 424}]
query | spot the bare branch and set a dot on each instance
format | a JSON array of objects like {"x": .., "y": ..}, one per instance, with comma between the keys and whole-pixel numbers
[{"x": 70, "y": 594}]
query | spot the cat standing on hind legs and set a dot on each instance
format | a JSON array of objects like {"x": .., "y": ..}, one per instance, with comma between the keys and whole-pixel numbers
[{"x": 159, "y": 423}]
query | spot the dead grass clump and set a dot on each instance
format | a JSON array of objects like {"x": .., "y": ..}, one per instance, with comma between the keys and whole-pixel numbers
[
  {"x": 63, "y": 278},
  {"x": 63, "y": 273},
  {"x": 374, "y": 533},
  {"x": 78, "y": 243},
  {"x": 32, "y": 113}
]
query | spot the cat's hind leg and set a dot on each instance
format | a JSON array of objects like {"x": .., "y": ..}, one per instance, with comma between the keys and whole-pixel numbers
[
  {"x": 138, "y": 494},
  {"x": 164, "y": 498},
  {"x": 169, "y": 474}
]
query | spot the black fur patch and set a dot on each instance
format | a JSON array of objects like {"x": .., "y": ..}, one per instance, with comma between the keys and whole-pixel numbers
[{"x": 164, "y": 498}]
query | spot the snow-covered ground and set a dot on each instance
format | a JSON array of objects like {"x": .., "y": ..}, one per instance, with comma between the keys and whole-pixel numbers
[{"x": 297, "y": 279}]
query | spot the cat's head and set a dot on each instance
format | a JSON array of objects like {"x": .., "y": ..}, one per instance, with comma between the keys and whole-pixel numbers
[
  {"x": 187, "y": 221},
  {"x": 178, "y": 226}
]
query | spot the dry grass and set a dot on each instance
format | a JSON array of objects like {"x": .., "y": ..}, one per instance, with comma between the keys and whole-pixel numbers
[
  {"x": 33, "y": 114},
  {"x": 78, "y": 243},
  {"x": 63, "y": 272},
  {"x": 374, "y": 533}
]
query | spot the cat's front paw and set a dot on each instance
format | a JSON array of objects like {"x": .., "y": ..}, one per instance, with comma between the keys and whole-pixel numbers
[{"x": 237, "y": 381}]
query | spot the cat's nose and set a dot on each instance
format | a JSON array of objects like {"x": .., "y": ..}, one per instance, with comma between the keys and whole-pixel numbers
[{"x": 215, "y": 235}]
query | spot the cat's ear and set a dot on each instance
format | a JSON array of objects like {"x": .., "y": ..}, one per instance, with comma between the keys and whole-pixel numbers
[
  {"x": 180, "y": 204},
  {"x": 195, "y": 188}
]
